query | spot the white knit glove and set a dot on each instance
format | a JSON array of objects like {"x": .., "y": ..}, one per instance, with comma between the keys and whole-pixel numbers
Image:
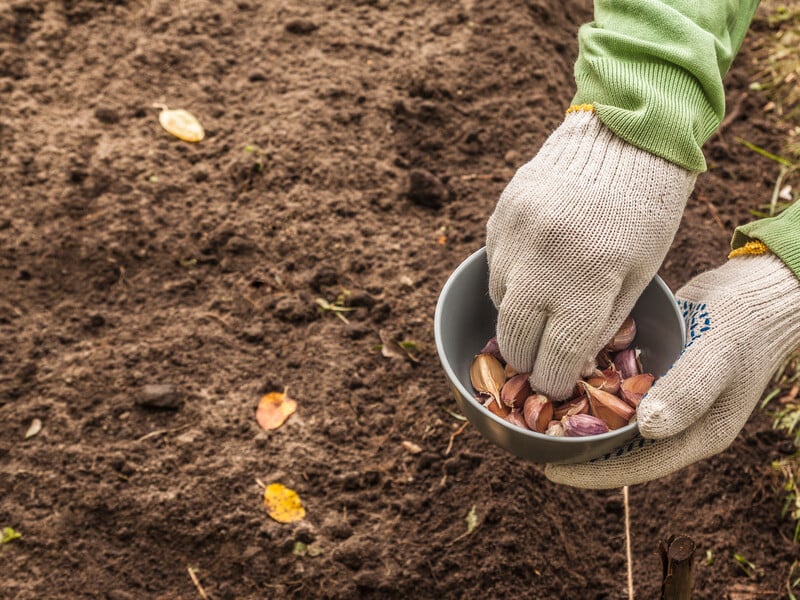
[
  {"x": 575, "y": 238},
  {"x": 742, "y": 321}
]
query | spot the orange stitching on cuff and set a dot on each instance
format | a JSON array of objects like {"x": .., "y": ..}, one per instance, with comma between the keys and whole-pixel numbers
[
  {"x": 753, "y": 248},
  {"x": 580, "y": 108}
]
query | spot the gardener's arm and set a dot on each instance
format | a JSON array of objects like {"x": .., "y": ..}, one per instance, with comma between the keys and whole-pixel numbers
[
  {"x": 581, "y": 230},
  {"x": 653, "y": 70},
  {"x": 653, "y": 81}
]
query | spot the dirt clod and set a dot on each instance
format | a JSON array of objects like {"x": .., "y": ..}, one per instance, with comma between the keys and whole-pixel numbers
[
  {"x": 425, "y": 189},
  {"x": 160, "y": 395}
]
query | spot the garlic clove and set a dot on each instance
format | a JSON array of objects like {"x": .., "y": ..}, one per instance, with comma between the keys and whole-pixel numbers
[
  {"x": 487, "y": 375},
  {"x": 510, "y": 371},
  {"x": 603, "y": 359},
  {"x": 576, "y": 406},
  {"x": 499, "y": 409},
  {"x": 624, "y": 336},
  {"x": 555, "y": 428},
  {"x": 583, "y": 425},
  {"x": 538, "y": 412},
  {"x": 627, "y": 363},
  {"x": 516, "y": 390},
  {"x": 608, "y": 407},
  {"x": 493, "y": 348},
  {"x": 634, "y": 388},
  {"x": 607, "y": 380},
  {"x": 515, "y": 418}
]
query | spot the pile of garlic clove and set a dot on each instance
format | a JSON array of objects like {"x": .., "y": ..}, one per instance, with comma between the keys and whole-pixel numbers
[{"x": 605, "y": 400}]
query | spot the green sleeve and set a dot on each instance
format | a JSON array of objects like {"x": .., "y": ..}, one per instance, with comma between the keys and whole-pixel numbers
[
  {"x": 653, "y": 70},
  {"x": 781, "y": 234}
]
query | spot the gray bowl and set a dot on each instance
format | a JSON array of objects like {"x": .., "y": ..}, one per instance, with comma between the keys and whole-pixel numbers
[{"x": 466, "y": 319}]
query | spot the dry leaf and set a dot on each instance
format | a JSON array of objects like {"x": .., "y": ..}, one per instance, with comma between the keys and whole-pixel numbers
[
  {"x": 283, "y": 504},
  {"x": 182, "y": 124},
  {"x": 412, "y": 447},
  {"x": 393, "y": 349},
  {"x": 472, "y": 520},
  {"x": 36, "y": 427},
  {"x": 273, "y": 410}
]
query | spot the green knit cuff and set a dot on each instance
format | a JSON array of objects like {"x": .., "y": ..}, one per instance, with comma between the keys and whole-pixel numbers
[
  {"x": 781, "y": 234},
  {"x": 654, "y": 106}
]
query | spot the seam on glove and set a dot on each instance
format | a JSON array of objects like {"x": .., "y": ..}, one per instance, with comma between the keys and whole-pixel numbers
[
  {"x": 580, "y": 108},
  {"x": 752, "y": 248}
]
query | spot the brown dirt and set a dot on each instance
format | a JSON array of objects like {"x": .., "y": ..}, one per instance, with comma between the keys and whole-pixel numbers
[{"x": 129, "y": 258}]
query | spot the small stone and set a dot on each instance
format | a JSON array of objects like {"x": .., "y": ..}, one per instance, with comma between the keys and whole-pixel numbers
[
  {"x": 239, "y": 245},
  {"x": 106, "y": 115},
  {"x": 160, "y": 395},
  {"x": 301, "y": 26},
  {"x": 361, "y": 298},
  {"x": 511, "y": 158},
  {"x": 254, "y": 333},
  {"x": 96, "y": 321},
  {"x": 356, "y": 331},
  {"x": 324, "y": 276},
  {"x": 425, "y": 189},
  {"x": 256, "y": 76}
]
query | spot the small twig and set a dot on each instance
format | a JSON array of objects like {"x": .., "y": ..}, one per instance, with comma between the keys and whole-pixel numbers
[
  {"x": 196, "y": 582},
  {"x": 628, "y": 541},
  {"x": 472, "y": 176},
  {"x": 433, "y": 575},
  {"x": 732, "y": 115},
  {"x": 714, "y": 213},
  {"x": 162, "y": 432},
  {"x": 453, "y": 437}
]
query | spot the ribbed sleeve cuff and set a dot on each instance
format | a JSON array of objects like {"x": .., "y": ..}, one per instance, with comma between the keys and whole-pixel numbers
[
  {"x": 654, "y": 106},
  {"x": 781, "y": 234}
]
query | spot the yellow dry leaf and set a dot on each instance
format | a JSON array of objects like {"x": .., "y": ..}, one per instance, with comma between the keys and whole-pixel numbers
[
  {"x": 283, "y": 504},
  {"x": 273, "y": 410},
  {"x": 182, "y": 124}
]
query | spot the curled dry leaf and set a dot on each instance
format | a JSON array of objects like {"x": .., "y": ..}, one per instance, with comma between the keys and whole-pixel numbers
[
  {"x": 182, "y": 124},
  {"x": 283, "y": 504},
  {"x": 273, "y": 410}
]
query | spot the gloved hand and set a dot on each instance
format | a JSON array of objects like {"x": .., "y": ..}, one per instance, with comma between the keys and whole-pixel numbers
[
  {"x": 742, "y": 321},
  {"x": 575, "y": 238}
]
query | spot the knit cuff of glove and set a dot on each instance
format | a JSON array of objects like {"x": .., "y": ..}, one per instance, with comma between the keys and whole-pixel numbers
[{"x": 781, "y": 235}]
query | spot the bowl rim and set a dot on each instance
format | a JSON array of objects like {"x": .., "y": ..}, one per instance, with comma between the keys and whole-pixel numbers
[{"x": 480, "y": 254}]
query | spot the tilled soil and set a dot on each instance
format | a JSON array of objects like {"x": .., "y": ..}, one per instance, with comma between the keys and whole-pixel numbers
[{"x": 353, "y": 150}]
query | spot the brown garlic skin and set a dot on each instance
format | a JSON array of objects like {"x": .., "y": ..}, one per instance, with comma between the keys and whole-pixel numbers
[
  {"x": 624, "y": 336},
  {"x": 515, "y": 391},
  {"x": 583, "y": 425},
  {"x": 538, "y": 412}
]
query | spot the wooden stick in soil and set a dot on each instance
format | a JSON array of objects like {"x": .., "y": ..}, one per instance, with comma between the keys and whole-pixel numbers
[
  {"x": 196, "y": 582},
  {"x": 628, "y": 553},
  {"x": 677, "y": 555}
]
